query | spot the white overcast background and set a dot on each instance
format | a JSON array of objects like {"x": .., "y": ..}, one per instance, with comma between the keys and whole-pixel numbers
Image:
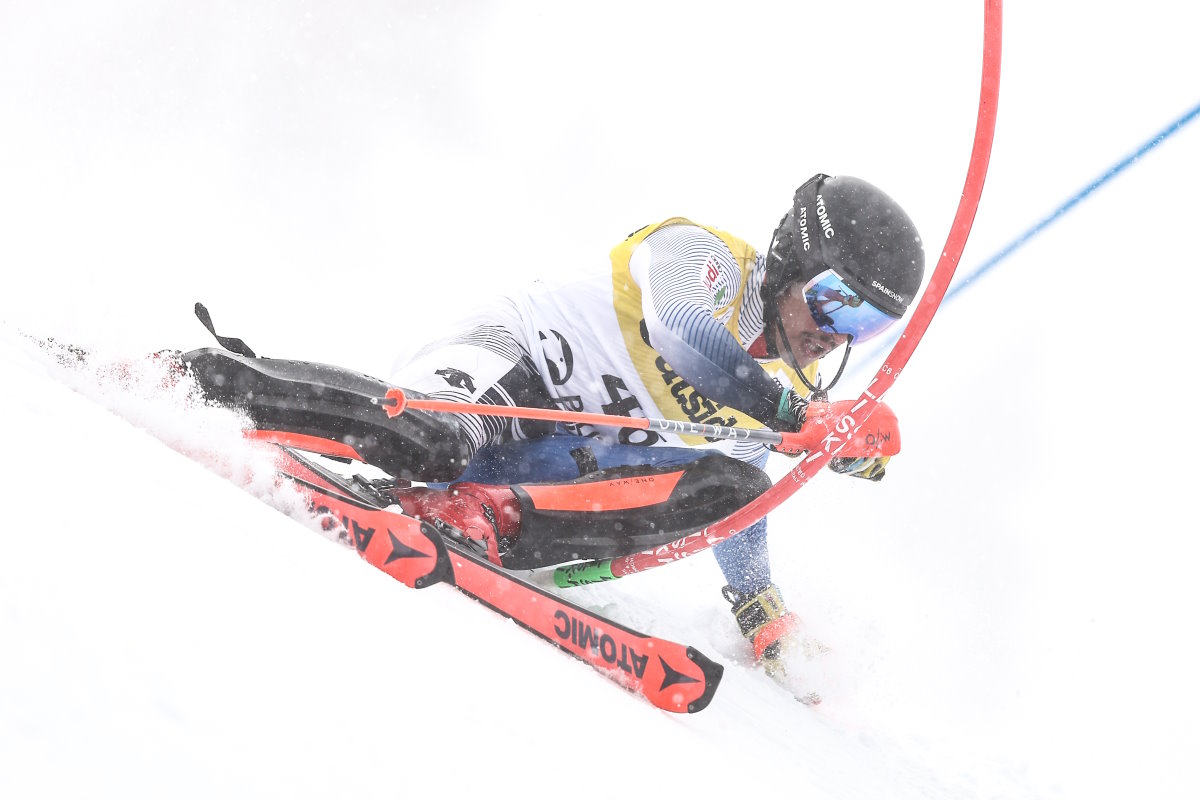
[{"x": 1011, "y": 610}]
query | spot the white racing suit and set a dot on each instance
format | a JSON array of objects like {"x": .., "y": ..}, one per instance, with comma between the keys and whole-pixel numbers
[{"x": 666, "y": 333}]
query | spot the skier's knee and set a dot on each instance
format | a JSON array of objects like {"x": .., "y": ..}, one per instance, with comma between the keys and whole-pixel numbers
[{"x": 623, "y": 510}]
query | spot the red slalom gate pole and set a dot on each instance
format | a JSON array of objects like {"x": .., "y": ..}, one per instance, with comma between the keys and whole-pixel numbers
[{"x": 869, "y": 400}]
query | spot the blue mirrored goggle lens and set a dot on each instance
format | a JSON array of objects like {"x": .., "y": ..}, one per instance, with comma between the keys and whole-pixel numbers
[{"x": 839, "y": 309}]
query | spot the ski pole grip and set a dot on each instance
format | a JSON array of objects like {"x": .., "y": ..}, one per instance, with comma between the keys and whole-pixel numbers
[
  {"x": 394, "y": 402},
  {"x": 792, "y": 444}
]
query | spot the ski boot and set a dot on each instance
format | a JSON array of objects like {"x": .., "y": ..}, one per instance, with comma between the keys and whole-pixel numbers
[
  {"x": 484, "y": 518},
  {"x": 774, "y": 633}
]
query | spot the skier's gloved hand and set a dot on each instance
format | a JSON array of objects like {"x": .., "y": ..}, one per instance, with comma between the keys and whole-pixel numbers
[
  {"x": 789, "y": 417},
  {"x": 790, "y": 411},
  {"x": 870, "y": 468}
]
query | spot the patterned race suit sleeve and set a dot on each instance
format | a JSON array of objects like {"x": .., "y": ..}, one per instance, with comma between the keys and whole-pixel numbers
[{"x": 679, "y": 268}]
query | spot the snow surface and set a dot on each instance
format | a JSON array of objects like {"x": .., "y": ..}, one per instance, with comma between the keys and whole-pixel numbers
[{"x": 1011, "y": 610}]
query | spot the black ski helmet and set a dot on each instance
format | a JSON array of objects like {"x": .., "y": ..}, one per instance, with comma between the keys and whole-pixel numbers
[{"x": 848, "y": 225}]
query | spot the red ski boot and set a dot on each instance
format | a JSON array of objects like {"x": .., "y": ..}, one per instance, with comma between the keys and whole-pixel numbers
[{"x": 486, "y": 518}]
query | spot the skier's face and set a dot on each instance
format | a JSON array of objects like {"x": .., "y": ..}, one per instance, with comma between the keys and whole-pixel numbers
[{"x": 807, "y": 341}]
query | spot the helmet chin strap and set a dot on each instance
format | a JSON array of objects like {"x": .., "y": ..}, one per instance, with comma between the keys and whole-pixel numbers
[{"x": 819, "y": 392}]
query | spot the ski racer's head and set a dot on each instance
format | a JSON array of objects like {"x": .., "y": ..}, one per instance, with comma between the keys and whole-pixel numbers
[{"x": 843, "y": 266}]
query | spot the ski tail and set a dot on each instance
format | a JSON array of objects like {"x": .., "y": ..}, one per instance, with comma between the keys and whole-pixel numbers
[{"x": 409, "y": 550}]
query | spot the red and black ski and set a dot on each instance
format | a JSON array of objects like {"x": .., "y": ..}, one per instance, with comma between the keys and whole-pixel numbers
[{"x": 672, "y": 676}]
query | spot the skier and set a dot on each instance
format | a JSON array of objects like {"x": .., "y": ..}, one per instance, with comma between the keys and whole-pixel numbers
[{"x": 690, "y": 323}]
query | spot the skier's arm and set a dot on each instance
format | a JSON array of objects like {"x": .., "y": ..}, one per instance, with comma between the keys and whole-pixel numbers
[{"x": 673, "y": 266}]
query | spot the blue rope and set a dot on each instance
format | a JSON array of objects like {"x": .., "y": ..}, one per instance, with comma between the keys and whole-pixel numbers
[
  {"x": 888, "y": 341},
  {"x": 1112, "y": 171}
]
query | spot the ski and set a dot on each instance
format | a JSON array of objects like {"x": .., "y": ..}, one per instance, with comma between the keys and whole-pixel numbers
[{"x": 671, "y": 676}]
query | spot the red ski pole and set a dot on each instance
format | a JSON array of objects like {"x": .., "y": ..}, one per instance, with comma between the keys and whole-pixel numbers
[{"x": 821, "y": 428}]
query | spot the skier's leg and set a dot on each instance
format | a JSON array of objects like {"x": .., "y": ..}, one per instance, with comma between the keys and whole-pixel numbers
[
  {"x": 623, "y": 510},
  {"x": 743, "y": 559},
  {"x": 757, "y": 603},
  {"x": 567, "y": 499},
  {"x": 342, "y": 406},
  {"x": 333, "y": 404}
]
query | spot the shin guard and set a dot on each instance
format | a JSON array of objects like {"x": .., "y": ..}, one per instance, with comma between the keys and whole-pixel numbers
[{"x": 336, "y": 405}]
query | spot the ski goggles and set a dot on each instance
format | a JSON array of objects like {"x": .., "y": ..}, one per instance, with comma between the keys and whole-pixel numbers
[{"x": 839, "y": 309}]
